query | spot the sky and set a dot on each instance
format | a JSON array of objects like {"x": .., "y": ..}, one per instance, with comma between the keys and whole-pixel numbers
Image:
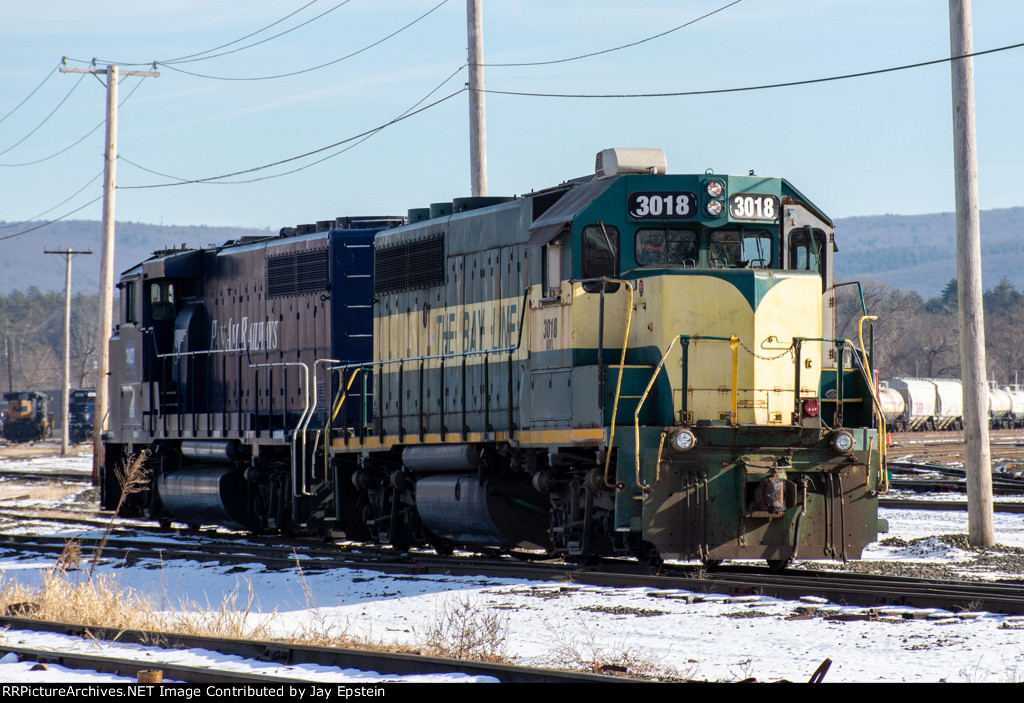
[
  {"x": 716, "y": 637},
  {"x": 869, "y": 145}
]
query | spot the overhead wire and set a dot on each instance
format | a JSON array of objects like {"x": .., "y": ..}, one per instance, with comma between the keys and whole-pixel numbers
[
  {"x": 300, "y": 156},
  {"x": 46, "y": 212},
  {"x": 261, "y": 41},
  {"x": 80, "y": 139},
  {"x": 199, "y": 53},
  {"x": 34, "y": 91},
  {"x": 769, "y": 86},
  {"x": 312, "y": 68},
  {"x": 360, "y": 140},
  {"x": 615, "y": 48},
  {"x": 56, "y": 219},
  {"x": 251, "y": 34},
  {"x": 45, "y": 119}
]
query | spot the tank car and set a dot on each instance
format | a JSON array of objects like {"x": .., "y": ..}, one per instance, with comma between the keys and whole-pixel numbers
[
  {"x": 1000, "y": 408},
  {"x": 28, "y": 417},
  {"x": 949, "y": 404},
  {"x": 629, "y": 363},
  {"x": 919, "y": 403},
  {"x": 81, "y": 414},
  {"x": 1016, "y": 404},
  {"x": 892, "y": 404}
]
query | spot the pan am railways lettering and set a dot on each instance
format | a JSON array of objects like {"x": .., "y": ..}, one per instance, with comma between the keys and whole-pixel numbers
[{"x": 235, "y": 336}]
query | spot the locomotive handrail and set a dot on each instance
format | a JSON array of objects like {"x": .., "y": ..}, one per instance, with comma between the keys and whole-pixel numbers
[
  {"x": 363, "y": 366},
  {"x": 877, "y": 402},
  {"x": 305, "y": 397},
  {"x": 734, "y": 343},
  {"x": 600, "y": 360},
  {"x": 303, "y": 424}
]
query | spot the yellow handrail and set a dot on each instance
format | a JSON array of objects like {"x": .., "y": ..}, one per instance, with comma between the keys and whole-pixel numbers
[
  {"x": 618, "y": 383},
  {"x": 881, "y": 418},
  {"x": 734, "y": 344}
]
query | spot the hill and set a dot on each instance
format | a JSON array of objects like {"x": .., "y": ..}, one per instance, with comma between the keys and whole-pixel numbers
[
  {"x": 918, "y": 252},
  {"x": 910, "y": 252},
  {"x": 22, "y": 265}
]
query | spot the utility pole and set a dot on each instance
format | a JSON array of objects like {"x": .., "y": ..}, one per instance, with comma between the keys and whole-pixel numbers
[
  {"x": 977, "y": 458},
  {"x": 7, "y": 353},
  {"x": 477, "y": 113},
  {"x": 106, "y": 254},
  {"x": 65, "y": 390}
]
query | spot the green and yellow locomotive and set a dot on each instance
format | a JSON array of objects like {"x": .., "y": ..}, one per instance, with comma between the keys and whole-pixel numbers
[{"x": 628, "y": 363}]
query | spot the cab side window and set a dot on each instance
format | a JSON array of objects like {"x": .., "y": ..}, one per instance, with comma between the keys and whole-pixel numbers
[
  {"x": 161, "y": 301},
  {"x": 600, "y": 255},
  {"x": 806, "y": 249}
]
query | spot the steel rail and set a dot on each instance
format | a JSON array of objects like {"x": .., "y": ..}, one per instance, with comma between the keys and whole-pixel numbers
[{"x": 400, "y": 664}]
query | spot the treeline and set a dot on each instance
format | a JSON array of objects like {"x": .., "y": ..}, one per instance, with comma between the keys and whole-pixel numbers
[
  {"x": 913, "y": 336},
  {"x": 32, "y": 339},
  {"x": 921, "y": 337}
]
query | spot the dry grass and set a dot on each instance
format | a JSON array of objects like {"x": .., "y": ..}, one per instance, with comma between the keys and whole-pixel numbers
[
  {"x": 465, "y": 629},
  {"x": 133, "y": 476},
  {"x": 580, "y": 648}
]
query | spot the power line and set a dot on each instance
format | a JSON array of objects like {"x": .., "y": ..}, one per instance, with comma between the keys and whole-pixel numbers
[
  {"x": 616, "y": 48},
  {"x": 45, "y": 212},
  {"x": 769, "y": 86},
  {"x": 251, "y": 34},
  {"x": 15, "y": 108},
  {"x": 80, "y": 139},
  {"x": 47, "y": 224},
  {"x": 45, "y": 119},
  {"x": 300, "y": 156},
  {"x": 94, "y": 61},
  {"x": 313, "y": 68},
  {"x": 261, "y": 41},
  {"x": 318, "y": 161}
]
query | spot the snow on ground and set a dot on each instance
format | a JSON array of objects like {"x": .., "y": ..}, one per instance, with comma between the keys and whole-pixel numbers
[{"x": 698, "y": 636}]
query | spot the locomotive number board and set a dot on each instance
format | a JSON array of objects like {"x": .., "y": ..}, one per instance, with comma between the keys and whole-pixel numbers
[
  {"x": 753, "y": 206},
  {"x": 677, "y": 204}
]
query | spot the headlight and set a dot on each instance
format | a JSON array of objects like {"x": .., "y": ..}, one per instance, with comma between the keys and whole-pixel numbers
[
  {"x": 715, "y": 188},
  {"x": 714, "y": 208},
  {"x": 682, "y": 440},
  {"x": 842, "y": 442}
]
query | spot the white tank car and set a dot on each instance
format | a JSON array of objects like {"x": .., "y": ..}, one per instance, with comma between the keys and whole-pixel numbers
[
  {"x": 1016, "y": 404},
  {"x": 919, "y": 400},
  {"x": 949, "y": 404},
  {"x": 1000, "y": 408},
  {"x": 892, "y": 405}
]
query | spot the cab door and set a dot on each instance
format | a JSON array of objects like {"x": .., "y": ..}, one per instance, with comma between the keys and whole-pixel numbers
[{"x": 808, "y": 245}]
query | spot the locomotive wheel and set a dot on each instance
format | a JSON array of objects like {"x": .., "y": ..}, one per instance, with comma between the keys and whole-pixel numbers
[
  {"x": 442, "y": 548},
  {"x": 649, "y": 558},
  {"x": 711, "y": 564},
  {"x": 777, "y": 565}
]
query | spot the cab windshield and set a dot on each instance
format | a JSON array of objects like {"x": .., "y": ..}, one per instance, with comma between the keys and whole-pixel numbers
[{"x": 729, "y": 248}]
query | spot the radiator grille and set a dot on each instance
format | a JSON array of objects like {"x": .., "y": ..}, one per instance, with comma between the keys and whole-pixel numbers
[
  {"x": 408, "y": 265},
  {"x": 298, "y": 273}
]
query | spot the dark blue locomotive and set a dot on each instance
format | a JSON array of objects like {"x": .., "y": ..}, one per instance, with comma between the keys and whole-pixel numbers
[{"x": 627, "y": 363}]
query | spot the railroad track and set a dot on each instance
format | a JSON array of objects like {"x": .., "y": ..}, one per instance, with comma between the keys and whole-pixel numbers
[
  {"x": 911, "y": 504},
  {"x": 862, "y": 589},
  {"x": 279, "y": 653},
  {"x": 1005, "y": 446}
]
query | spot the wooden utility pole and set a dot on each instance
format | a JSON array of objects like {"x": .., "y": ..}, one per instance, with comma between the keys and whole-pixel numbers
[
  {"x": 106, "y": 254},
  {"x": 977, "y": 459},
  {"x": 477, "y": 113},
  {"x": 65, "y": 389}
]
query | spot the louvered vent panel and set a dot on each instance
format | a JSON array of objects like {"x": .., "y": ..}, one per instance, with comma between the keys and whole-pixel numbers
[
  {"x": 409, "y": 265},
  {"x": 298, "y": 273}
]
